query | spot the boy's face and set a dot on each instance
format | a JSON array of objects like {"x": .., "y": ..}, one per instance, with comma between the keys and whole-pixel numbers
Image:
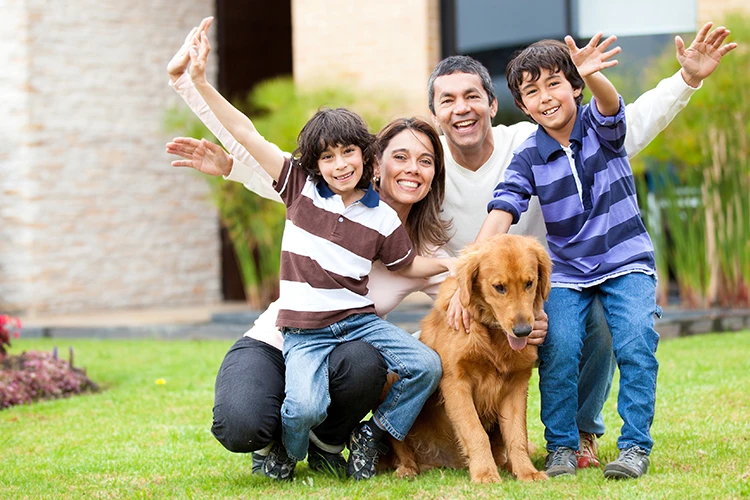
[
  {"x": 341, "y": 168},
  {"x": 463, "y": 110},
  {"x": 550, "y": 101}
]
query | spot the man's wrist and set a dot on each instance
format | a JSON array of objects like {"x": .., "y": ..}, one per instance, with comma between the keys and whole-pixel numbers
[
  {"x": 690, "y": 81},
  {"x": 230, "y": 164}
]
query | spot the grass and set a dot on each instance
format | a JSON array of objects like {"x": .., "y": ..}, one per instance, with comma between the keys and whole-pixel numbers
[{"x": 140, "y": 439}]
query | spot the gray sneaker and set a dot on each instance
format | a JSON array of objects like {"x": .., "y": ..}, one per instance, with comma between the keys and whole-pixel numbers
[
  {"x": 278, "y": 465},
  {"x": 363, "y": 453},
  {"x": 632, "y": 463},
  {"x": 258, "y": 463},
  {"x": 561, "y": 462}
]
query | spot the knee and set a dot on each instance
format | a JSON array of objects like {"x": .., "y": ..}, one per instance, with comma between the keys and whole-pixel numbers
[
  {"x": 303, "y": 414},
  {"x": 244, "y": 433},
  {"x": 432, "y": 368},
  {"x": 357, "y": 364}
]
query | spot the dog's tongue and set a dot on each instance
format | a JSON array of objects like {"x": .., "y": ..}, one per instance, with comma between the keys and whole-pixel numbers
[{"x": 515, "y": 343}]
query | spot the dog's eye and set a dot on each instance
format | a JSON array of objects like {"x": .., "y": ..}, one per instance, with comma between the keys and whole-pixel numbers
[
  {"x": 500, "y": 288},
  {"x": 529, "y": 284}
]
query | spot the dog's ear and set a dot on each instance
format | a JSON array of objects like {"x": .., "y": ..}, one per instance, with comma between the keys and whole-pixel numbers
[
  {"x": 466, "y": 273},
  {"x": 544, "y": 266}
]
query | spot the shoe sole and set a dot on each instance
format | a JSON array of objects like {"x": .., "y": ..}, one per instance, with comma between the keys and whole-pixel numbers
[
  {"x": 617, "y": 472},
  {"x": 560, "y": 472}
]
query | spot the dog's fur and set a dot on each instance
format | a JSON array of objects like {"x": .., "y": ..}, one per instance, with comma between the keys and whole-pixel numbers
[{"x": 478, "y": 415}]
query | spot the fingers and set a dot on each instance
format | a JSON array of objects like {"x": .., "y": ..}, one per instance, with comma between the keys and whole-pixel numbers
[
  {"x": 727, "y": 48},
  {"x": 571, "y": 43},
  {"x": 700, "y": 37},
  {"x": 679, "y": 45},
  {"x": 466, "y": 320}
]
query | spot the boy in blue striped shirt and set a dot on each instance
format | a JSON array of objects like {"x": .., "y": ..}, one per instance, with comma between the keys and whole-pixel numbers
[{"x": 577, "y": 165}]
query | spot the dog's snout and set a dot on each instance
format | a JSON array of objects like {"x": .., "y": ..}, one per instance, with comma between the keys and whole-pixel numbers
[{"x": 522, "y": 330}]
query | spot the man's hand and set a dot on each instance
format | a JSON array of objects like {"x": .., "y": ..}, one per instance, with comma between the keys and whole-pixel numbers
[
  {"x": 593, "y": 56},
  {"x": 703, "y": 56},
  {"x": 179, "y": 63},
  {"x": 539, "y": 332},
  {"x": 457, "y": 316},
  {"x": 204, "y": 156}
]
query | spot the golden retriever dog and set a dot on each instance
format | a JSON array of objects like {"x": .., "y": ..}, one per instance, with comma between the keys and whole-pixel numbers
[{"x": 477, "y": 418}]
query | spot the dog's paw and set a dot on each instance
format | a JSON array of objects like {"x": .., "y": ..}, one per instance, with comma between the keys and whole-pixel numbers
[
  {"x": 404, "y": 472},
  {"x": 533, "y": 475},
  {"x": 486, "y": 476}
]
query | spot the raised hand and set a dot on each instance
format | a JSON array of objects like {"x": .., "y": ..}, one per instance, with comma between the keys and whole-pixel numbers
[
  {"x": 179, "y": 63},
  {"x": 204, "y": 156},
  {"x": 593, "y": 56},
  {"x": 199, "y": 57},
  {"x": 703, "y": 56}
]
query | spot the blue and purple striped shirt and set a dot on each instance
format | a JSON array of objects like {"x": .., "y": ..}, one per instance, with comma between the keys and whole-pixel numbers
[{"x": 594, "y": 226}]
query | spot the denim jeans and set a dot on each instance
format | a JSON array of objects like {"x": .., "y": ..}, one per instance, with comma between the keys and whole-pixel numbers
[
  {"x": 629, "y": 305},
  {"x": 250, "y": 391},
  {"x": 307, "y": 398},
  {"x": 595, "y": 372}
]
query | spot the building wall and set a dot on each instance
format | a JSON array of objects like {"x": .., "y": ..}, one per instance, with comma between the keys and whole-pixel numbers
[
  {"x": 92, "y": 216},
  {"x": 390, "y": 45},
  {"x": 716, "y": 10}
]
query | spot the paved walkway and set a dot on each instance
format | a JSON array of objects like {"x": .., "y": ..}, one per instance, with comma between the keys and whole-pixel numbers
[{"x": 229, "y": 320}]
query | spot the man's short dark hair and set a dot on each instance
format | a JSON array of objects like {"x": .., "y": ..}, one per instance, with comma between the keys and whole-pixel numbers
[
  {"x": 552, "y": 55},
  {"x": 459, "y": 64}
]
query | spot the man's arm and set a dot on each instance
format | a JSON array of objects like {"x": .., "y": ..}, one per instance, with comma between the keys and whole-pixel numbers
[{"x": 655, "y": 109}]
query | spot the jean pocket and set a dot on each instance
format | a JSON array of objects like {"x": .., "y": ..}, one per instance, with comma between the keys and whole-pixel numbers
[
  {"x": 658, "y": 311},
  {"x": 290, "y": 331}
]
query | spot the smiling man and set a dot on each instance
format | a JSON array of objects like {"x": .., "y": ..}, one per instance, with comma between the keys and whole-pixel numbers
[{"x": 463, "y": 103}]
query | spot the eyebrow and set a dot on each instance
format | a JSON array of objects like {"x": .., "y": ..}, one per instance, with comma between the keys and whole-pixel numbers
[{"x": 405, "y": 150}]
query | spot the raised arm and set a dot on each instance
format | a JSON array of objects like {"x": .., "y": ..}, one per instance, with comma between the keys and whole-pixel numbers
[
  {"x": 237, "y": 124},
  {"x": 590, "y": 60},
  {"x": 656, "y": 108}
]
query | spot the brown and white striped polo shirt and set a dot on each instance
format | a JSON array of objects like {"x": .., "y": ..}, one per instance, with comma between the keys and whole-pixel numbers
[{"x": 327, "y": 250}]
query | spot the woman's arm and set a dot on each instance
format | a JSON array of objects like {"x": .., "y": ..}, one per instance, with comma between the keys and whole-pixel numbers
[{"x": 425, "y": 267}]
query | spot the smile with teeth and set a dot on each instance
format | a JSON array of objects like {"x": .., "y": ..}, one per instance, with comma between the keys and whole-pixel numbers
[
  {"x": 408, "y": 184},
  {"x": 464, "y": 124},
  {"x": 345, "y": 177},
  {"x": 550, "y": 111}
]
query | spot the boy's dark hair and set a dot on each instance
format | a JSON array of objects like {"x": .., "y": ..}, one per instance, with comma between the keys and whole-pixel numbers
[
  {"x": 552, "y": 55},
  {"x": 459, "y": 64},
  {"x": 335, "y": 127}
]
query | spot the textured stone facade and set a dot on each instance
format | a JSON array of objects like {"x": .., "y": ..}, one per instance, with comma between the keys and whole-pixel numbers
[
  {"x": 390, "y": 45},
  {"x": 92, "y": 216}
]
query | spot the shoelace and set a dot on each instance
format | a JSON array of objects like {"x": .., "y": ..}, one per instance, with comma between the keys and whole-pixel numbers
[
  {"x": 560, "y": 457},
  {"x": 632, "y": 454}
]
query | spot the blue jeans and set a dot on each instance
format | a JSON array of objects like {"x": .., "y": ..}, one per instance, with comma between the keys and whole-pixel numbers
[
  {"x": 629, "y": 305},
  {"x": 307, "y": 398},
  {"x": 595, "y": 372}
]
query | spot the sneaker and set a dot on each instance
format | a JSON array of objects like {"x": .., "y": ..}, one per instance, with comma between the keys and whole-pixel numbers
[
  {"x": 561, "y": 462},
  {"x": 363, "y": 453},
  {"x": 258, "y": 463},
  {"x": 632, "y": 463},
  {"x": 323, "y": 461},
  {"x": 278, "y": 465},
  {"x": 587, "y": 454}
]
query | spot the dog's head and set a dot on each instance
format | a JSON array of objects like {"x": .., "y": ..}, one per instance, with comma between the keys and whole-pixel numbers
[{"x": 505, "y": 280}]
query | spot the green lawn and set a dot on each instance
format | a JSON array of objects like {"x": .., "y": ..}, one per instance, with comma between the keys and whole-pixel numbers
[{"x": 140, "y": 439}]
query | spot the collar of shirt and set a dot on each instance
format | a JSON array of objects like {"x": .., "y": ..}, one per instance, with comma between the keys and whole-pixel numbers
[
  {"x": 546, "y": 145},
  {"x": 370, "y": 199}
]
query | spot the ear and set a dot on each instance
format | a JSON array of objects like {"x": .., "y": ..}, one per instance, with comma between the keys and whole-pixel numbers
[
  {"x": 435, "y": 122},
  {"x": 544, "y": 267},
  {"x": 466, "y": 273},
  {"x": 577, "y": 92},
  {"x": 493, "y": 108}
]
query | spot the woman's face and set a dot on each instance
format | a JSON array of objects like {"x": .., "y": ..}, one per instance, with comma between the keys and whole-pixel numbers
[{"x": 406, "y": 169}]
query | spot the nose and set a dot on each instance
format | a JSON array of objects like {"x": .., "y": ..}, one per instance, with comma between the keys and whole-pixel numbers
[
  {"x": 411, "y": 166},
  {"x": 521, "y": 328},
  {"x": 340, "y": 161},
  {"x": 461, "y": 106}
]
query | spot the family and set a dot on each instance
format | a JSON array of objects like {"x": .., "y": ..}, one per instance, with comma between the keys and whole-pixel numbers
[{"x": 371, "y": 219}]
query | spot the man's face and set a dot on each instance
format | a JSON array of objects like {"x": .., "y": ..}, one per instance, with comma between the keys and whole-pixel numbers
[{"x": 462, "y": 110}]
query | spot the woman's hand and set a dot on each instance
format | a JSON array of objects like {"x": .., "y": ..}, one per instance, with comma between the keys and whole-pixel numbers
[
  {"x": 539, "y": 331},
  {"x": 179, "y": 63},
  {"x": 457, "y": 316},
  {"x": 204, "y": 156}
]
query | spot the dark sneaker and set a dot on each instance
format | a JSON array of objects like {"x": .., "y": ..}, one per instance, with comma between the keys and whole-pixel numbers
[
  {"x": 589, "y": 449},
  {"x": 363, "y": 453},
  {"x": 258, "y": 463},
  {"x": 632, "y": 463},
  {"x": 561, "y": 462},
  {"x": 278, "y": 465},
  {"x": 326, "y": 462}
]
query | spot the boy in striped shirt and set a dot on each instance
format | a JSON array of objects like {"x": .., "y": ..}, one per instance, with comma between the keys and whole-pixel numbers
[
  {"x": 577, "y": 166},
  {"x": 336, "y": 226}
]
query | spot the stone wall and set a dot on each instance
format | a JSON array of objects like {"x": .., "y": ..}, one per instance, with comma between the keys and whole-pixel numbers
[
  {"x": 389, "y": 45},
  {"x": 92, "y": 216}
]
